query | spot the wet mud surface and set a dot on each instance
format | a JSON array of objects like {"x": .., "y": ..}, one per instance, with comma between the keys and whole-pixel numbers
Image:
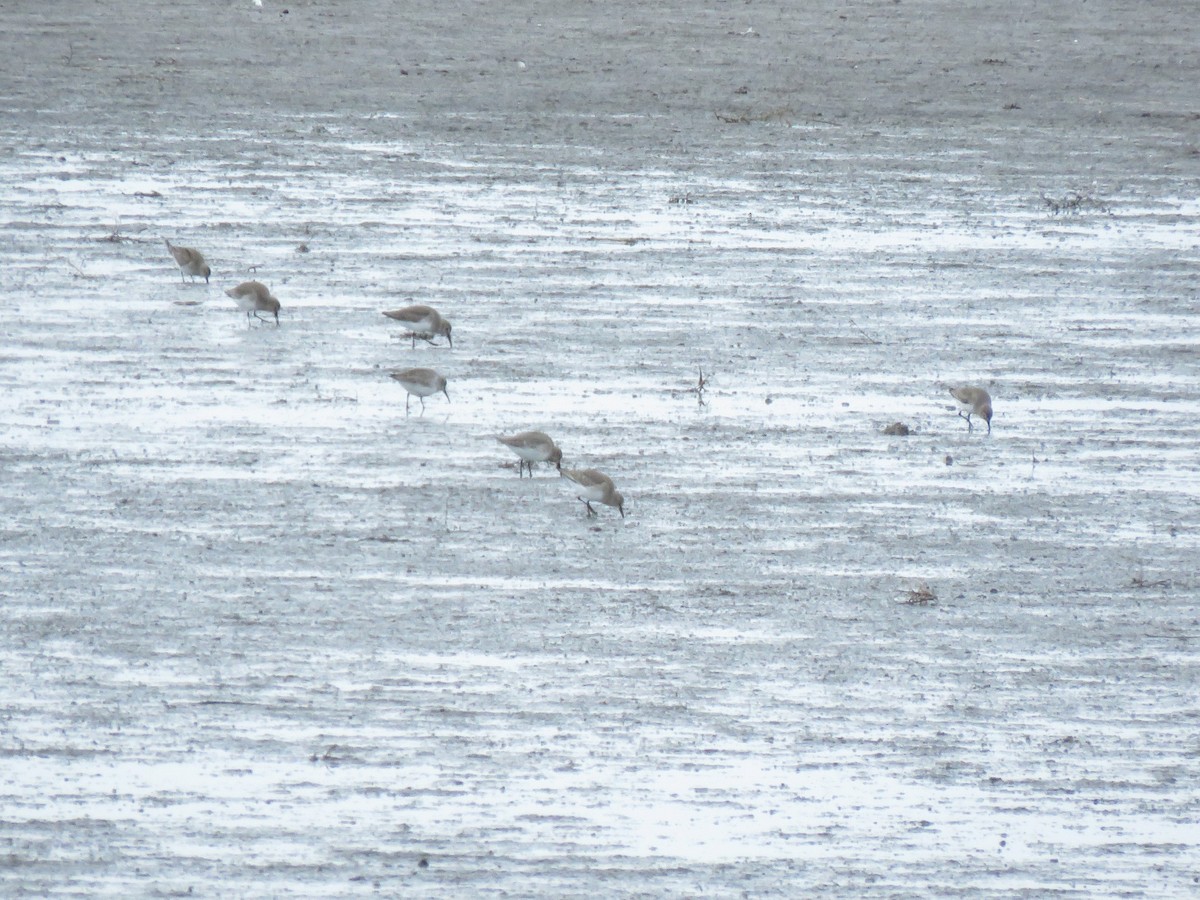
[{"x": 266, "y": 635}]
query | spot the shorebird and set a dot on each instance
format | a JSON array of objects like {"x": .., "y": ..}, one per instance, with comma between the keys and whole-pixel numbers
[
  {"x": 421, "y": 382},
  {"x": 595, "y": 485},
  {"x": 423, "y": 322},
  {"x": 254, "y": 297},
  {"x": 531, "y": 447},
  {"x": 974, "y": 400},
  {"x": 190, "y": 262}
]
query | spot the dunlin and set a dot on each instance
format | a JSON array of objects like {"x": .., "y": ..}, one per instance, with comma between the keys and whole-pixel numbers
[
  {"x": 974, "y": 400},
  {"x": 531, "y": 447},
  {"x": 421, "y": 382},
  {"x": 423, "y": 322},
  {"x": 190, "y": 262},
  {"x": 595, "y": 485},
  {"x": 254, "y": 297}
]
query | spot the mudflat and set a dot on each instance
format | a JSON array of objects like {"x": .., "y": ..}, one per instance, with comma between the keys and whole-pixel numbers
[{"x": 264, "y": 634}]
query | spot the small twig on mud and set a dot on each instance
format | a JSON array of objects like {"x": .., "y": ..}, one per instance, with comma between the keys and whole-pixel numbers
[
  {"x": 116, "y": 233},
  {"x": 332, "y": 398},
  {"x": 78, "y": 272},
  {"x": 866, "y": 337},
  {"x": 772, "y": 114},
  {"x": 326, "y": 757},
  {"x": 1139, "y": 582},
  {"x": 698, "y": 390},
  {"x": 920, "y": 596}
]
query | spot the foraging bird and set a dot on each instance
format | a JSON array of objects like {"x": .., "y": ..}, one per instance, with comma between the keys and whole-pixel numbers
[
  {"x": 423, "y": 322},
  {"x": 254, "y": 297},
  {"x": 421, "y": 382},
  {"x": 190, "y": 262},
  {"x": 531, "y": 447},
  {"x": 974, "y": 401},
  {"x": 595, "y": 485}
]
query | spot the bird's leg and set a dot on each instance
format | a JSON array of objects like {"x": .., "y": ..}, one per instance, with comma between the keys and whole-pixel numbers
[
  {"x": 422, "y": 406},
  {"x": 968, "y": 418},
  {"x": 588, "y": 504},
  {"x": 407, "y": 400},
  {"x": 413, "y": 335}
]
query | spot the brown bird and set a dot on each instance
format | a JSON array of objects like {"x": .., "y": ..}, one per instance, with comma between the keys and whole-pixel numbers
[
  {"x": 531, "y": 447},
  {"x": 973, "y": 400},
  {"x": 423, "y": 322},
  {"x": 421, "y": 382},
  {"x": 596, "y": 486},
  {"x": 254, "y": 297},
  {"x": 190, "y": 262}
]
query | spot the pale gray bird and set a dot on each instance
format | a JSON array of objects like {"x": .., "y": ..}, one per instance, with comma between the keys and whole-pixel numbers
[
  {"x": 973, "y": 401},
  {"x": 595, "y": 486},
  {"x": 422, "y": 321},
  {"x": 254, "y": 297},
  {"x": 531, "y": 447},
  {"x": 422, "y": 383},
  {"x": 190, "y": 262}
]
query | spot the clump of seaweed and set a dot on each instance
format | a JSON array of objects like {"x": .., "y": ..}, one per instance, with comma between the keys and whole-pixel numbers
[
  {"x": 922, "y": 595},
  {"x": 775, "y": 114},
  {"x": 1074, "y": 202},
  {"x": 897, "y": 429}
]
